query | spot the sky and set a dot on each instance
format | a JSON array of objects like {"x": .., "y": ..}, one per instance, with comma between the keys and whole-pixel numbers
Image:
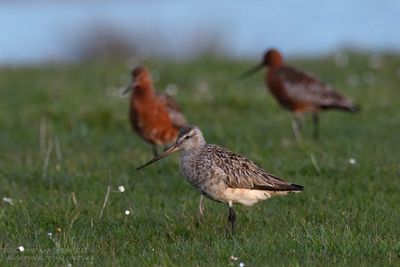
[{"x": 42, "y": 31}]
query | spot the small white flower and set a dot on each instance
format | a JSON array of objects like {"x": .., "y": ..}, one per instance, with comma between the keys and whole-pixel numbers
[
  {"x": 241, "y": 264},
  {"x": 127, "y": 212},
  {"x": 21, "y": 248},
  {"x": 8, "y": 200},
  {"x": 50, "y": 234},
  {"x": 352, "y": 161},
  {"x": 121, "y": 188},
  {"x": 233, "y": 258},
  {"x": 69, "y": 265}
]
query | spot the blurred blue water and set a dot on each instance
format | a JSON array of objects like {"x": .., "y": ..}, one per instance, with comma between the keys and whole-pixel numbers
[{"x": 38, "y": 31}]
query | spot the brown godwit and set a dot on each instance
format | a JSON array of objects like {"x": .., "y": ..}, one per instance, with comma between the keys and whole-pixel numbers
[
  {"x": 222, "y": 175},
  {"x": 156, "y": 117},
  {"x": 298, "y": 91}
]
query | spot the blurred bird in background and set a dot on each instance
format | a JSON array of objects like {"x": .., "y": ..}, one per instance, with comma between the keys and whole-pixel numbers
[
  {"x": 156, "y": 117},
  {"x": 299, "y": 92}
]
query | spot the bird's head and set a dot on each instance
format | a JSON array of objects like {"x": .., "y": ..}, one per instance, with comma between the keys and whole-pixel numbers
[
  {"x": 189, "y": 137},
  {"x": 141, "y": 78},
  {"x": 271, "y": 58}
]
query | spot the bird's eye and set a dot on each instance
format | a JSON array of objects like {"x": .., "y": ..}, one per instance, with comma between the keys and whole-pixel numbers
[{"x": 187, "y": 137}]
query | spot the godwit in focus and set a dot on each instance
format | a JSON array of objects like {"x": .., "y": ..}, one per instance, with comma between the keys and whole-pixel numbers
[
  {"x": 156, "y": 117},
  {"x": 298, "y": 91},
  {"x": 222, "y": 175}
]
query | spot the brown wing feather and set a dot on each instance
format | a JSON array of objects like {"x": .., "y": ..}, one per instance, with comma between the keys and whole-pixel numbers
[
  {"x": 302, "y": 87},
  {"x": 243, "y": 173},
  {"x": 174, "y": 110}
]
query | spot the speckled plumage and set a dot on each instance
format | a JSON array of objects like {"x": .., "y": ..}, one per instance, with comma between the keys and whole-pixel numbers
[
  {"x": 213, "y": 169},
  {"x": 222, "y": 175}
]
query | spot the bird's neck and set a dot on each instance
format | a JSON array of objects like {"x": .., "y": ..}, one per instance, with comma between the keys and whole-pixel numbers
[
  {"x": 194, "y": 151},
  {"x": 188, "y": 161},
  {"x": 273, "y": 69},
  {"x": 276, "y": 63},
  {"x": 143, "y": 91}
]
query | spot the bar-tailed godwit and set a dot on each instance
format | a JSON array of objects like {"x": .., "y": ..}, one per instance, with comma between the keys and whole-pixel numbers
[
  {"x": 156, "y": 117},
  {"x": 222, "y": 175},
  {"x": 298, "y": 91}
]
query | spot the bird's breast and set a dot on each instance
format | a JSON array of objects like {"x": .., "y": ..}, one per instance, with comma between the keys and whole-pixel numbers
[
  {"x": 203, "y": 176},
  {"x": 151, "y": 121},
  {"x": 189, "y": 168}
]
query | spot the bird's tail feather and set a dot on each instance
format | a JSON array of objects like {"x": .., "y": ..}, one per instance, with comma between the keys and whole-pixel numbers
[
  {"x": 354, "y": 108},
  {"x": 349, "y": 107},
  {"x": 282, "y": 187},
  {"x": 297, "y": 188}
]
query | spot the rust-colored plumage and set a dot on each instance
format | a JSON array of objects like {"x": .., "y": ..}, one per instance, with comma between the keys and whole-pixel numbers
[
  {"x": 298, "y": 91},
  {"x": 156, "y": 117}
]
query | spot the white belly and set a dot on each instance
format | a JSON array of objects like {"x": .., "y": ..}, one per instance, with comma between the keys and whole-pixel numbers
[{"x": 248, "y": 197}]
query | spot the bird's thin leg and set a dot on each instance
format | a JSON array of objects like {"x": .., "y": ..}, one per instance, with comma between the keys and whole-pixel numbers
[
  {"x": 155, "y": 152},
  {"x": 232, "y": 217},
  {"x": 201, "y": 206},
  {"x": 296, "y": 127},
  {"x": 315, "y": 125}
]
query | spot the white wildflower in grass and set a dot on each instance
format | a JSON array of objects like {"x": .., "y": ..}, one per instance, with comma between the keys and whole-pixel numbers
[
  {"x": 233, "y": 258},
  {"x": 352, "y": 161},
  {"x": 69, "y": 265},
  {"x": 121, "y": 188},
  {"x": 241, "y": 264},
  {"x": 8, "y": 200},
  {"x": 21, "y": 248},
  {"x": 50, "y": 234},
  {"x": 127, "y": 212}
]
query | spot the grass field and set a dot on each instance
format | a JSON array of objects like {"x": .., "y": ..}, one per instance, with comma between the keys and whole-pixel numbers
[{"x": 65, "y": 136}]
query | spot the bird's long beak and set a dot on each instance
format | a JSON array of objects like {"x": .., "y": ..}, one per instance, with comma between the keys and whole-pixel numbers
[
  {"x": 172, "y": 149},
  {"x": 250, "y": 72},
  {"x": 126, "y": 91},
  {"x": 130, "y": 88}
]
